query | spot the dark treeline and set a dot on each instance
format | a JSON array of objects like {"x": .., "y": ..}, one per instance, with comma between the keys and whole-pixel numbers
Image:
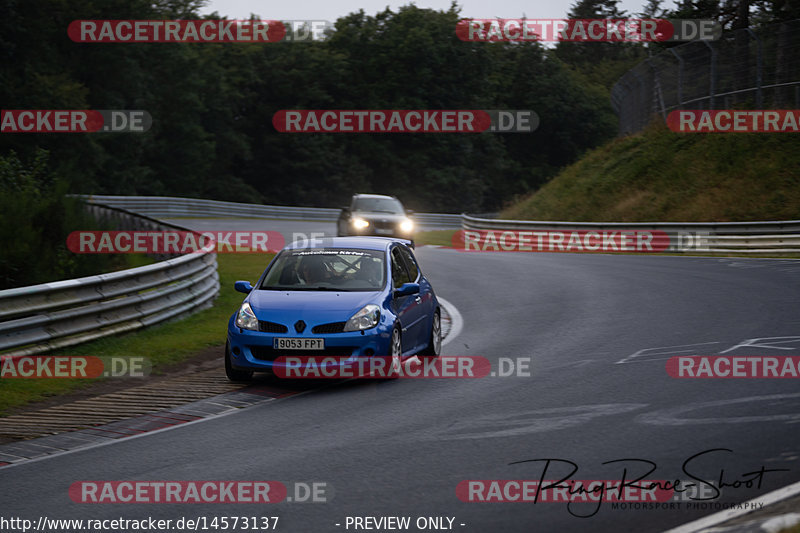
[{"x": 212, "y": 106}]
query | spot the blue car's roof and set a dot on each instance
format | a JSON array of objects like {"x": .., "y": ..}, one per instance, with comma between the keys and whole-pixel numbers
[{"x": 366, "y": 243}]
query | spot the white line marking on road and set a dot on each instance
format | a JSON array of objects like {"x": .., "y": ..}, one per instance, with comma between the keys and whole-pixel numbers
[
  {"x": 755, "y": 343},
  {"x": 781, "y": 522},
  {"x": 675, "y": 416},
  {"x": 729, "y": 514},
  {"x": 641, "y": 353},
  {"x": 456, "y": 322}
]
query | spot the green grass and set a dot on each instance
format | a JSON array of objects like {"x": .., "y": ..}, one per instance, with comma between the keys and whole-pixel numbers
[
  {"x": 660, "y": 175},
  {"x": 436, "y": 237},
  {"x": 163, "y": 344},
  {"x": 134, "y": 260}
]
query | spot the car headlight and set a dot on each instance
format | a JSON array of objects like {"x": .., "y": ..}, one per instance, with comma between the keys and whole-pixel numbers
[
  {"x": 367, "y": 317},
  {"x": 245, "y": 318},
  {"x": 360, "y": 223},
  {"x": 407, "y": 225}
]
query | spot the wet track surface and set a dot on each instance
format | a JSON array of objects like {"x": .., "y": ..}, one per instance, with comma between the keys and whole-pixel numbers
[{"x": 597, "y": 329}]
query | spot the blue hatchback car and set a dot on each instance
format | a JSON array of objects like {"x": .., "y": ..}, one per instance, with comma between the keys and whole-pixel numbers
[{"x": 345, "y": 297}]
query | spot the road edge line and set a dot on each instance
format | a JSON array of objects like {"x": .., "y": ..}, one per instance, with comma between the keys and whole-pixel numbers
[
  {"x": 721, "y": 517},
  {"x": 456, "y": 322}
]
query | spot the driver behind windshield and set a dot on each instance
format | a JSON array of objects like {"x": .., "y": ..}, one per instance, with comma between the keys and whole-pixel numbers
[{"x": 312, "y": 270}]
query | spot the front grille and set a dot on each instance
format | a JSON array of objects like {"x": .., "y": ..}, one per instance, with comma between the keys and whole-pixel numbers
[
  {"x": 268, "y": 353},
  {"x": 333, "y": 327},
  {"x": 271, "y": 327},
  {"x": 380, "y": 224}
]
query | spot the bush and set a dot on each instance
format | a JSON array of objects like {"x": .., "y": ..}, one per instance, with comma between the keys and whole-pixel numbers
[{"x": 35, "y": 219}]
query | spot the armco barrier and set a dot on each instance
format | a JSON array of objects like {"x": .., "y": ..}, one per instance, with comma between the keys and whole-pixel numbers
[
  {"x": 779, "y": 237},
  {"x": 172, "y": 207},
  {"x": 43, "y": 317}
]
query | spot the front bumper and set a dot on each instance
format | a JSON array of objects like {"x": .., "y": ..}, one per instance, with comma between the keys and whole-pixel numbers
[{"x": 253, "y": 350}]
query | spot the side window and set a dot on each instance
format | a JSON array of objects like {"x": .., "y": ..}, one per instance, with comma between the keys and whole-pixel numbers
[
  {"x": 399, "y": 272},
  {"x": 413, "y": 269}
]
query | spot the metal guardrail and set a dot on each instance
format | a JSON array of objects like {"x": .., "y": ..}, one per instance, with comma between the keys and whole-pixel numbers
[
  {"x": 44, "y": 317},
  {"x": 40, "y": 318},
  {"x": 767, "y": 237},
  {"x": 172, "y": 207}
]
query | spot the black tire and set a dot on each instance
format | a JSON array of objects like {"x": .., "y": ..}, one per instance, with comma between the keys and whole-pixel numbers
[
  {"x": 235, "y": 374},
  {"x": 434, "y": 347}
]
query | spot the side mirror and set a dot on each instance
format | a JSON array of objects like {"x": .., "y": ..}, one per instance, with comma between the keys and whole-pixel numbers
[
  {"x": 407, "y": 289},
  {"x": 345, "y": 209},
  {"x": 243, "y": 286},
  {"x": 409, "y": 212}
]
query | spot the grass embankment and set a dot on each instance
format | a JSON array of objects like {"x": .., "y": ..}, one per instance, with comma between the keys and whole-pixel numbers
[
  {"x": 443, "y": 237},
  {"x": 663, "y": 176},
  {"x": 164, "y": 344}
]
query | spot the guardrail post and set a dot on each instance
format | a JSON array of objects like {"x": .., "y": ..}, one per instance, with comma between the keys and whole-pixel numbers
[
  {"x": 759, "y": 69},
  {"x": 680, "y": 77},
  {"x": 642, "y": 121},
  {"x": 657, "y": 88}
]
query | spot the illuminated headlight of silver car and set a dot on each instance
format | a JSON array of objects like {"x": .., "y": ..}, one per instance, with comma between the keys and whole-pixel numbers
[
  {"x": 368, "y": 317},
  {"x": 407, "y": 225},
  {"x": 245, "y": 318},
  {"x": 360, "y": 223}
]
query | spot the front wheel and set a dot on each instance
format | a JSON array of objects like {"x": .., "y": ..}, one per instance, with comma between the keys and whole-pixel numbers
[
  {"x": 233, "y": 373},
  {"x": 434, "y": 347},
  {"x": 395, "y": 359}
]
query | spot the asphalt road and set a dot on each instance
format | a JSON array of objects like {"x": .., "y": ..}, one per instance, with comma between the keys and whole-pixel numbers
[{"x": 597, "y": 330}]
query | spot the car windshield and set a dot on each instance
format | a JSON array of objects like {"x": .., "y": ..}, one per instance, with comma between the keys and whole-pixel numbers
[
  {"x": 379, "y": 205},
  {"x": 326, "y": 269}
]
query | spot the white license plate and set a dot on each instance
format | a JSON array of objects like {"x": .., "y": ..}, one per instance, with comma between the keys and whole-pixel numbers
[
  {"x": 298, "y": 344},
  {"x": 383, "y": 231}
]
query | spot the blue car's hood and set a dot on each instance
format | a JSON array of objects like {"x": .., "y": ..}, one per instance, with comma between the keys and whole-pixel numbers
[{"x": 314, "y": 307}]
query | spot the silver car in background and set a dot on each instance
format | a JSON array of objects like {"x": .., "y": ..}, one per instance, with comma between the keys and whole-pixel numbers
[{"x": 375, "y": 214}]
